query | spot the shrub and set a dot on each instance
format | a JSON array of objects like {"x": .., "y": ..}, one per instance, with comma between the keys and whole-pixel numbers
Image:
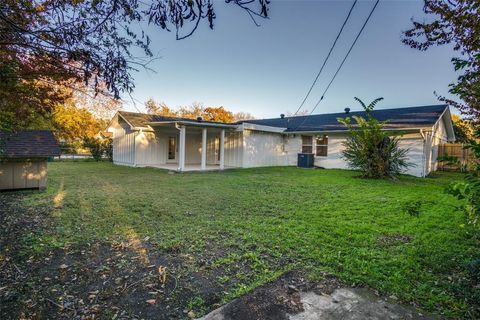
[
  {"x": 95, "y": 146},
  {"x": 99, "y": 148},
  {"x": 108, "y": 148},
  {"x": 412, "y": 207},
  {"x": 469, "y": 189},
  {"x": 370, "y": 149}
]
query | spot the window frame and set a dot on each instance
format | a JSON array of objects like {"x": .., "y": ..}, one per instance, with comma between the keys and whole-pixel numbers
[
  {"x": 323, "y": 139},
  {"x": 307, "y": 145}
]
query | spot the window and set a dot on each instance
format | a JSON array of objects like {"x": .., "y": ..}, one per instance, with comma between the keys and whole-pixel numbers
[
  {"x": 322, "y": 146},
  {"x": 172, "y": 146},
  {"x": 307, "y": 144}
]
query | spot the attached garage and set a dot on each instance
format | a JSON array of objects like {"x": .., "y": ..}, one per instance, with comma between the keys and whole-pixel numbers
[{"x": 23, "y": 158}]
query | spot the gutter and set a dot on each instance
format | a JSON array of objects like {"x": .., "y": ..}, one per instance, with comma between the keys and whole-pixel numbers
[
  {"x": 345, "y": 131},
  {"x": 194, "y": 124}
]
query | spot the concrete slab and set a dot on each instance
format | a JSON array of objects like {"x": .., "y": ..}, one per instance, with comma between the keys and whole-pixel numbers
[
  {"x": 351, "y": 304},
  {"x": 342, "y": 304}
]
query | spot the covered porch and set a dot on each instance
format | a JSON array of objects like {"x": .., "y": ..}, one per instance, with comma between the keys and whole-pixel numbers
[
  {"x": 191, "y": 145},
  {"x": 190, "y": 167}
]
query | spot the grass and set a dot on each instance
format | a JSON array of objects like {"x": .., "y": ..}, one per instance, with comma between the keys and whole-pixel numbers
[{"x": 273, "y": 220}]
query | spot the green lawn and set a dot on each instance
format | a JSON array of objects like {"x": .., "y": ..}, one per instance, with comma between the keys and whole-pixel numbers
[{"x": 274, "y": 220}]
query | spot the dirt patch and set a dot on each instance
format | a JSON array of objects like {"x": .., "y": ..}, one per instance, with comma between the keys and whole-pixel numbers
[
  {"x": 393, "y": 239},
  {"x": 119, "y": 280}
]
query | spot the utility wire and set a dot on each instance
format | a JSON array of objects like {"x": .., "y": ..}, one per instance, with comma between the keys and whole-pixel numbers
[
  {"x": 326, "y": 59},
  {"x": 341, "y": 64}
]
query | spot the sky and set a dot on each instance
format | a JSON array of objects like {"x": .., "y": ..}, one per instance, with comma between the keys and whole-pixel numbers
[{"x": 267, "y": 70}]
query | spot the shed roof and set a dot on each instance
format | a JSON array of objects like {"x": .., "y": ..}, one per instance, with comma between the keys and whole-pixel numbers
[
  {"x": 28, "y": 144},
  {"x": 399, "y": 118}
]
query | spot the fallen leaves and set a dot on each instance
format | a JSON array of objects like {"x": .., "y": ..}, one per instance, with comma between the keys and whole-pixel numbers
[{"x": 162, "y": 275}]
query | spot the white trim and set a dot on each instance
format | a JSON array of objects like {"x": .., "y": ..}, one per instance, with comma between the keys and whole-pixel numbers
[
  {"x": 449, "y": 127},
  {"x": 258, "y": 127},
  {"x": 346, "y": 131},
  {"x": 222, "y": 149},
  {"x": 181, "y": 148},
  {"x": 203, "y": 164},
  {"x": 194, "y": 124}
]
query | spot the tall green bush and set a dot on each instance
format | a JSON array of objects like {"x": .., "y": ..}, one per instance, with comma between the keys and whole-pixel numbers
[
  {"x": 370, "y": 149},
  {"x": 469, "y": 189},
  {"x": 99, "y": 148}
]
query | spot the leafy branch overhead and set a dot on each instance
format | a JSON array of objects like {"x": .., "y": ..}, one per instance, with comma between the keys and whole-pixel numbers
[
  {"x": 98, "y": 42},
  {"x": 457, "y": 23},
  {"x": 97, "y": 39}
]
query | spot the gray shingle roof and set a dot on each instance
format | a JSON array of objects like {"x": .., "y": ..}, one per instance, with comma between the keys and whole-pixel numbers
[
  {"x": 28, "y": 144},
  {"x": 137, "y": 119},
  {"x": 399, "y": 118}
]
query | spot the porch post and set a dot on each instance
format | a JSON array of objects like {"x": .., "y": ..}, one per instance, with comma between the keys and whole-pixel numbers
[
  {"x": 181, "y": 149},
  {"x": 222, "y": 149},
  {"x": 204, "y": 149}
]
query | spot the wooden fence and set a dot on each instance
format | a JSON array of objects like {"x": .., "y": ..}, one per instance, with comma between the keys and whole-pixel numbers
[{"x": 453, "y": 157}]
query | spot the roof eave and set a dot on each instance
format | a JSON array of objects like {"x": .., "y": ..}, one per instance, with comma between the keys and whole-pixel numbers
[
  {"x": 342, "y": 131},
  {"x": 192, "y": 123}
]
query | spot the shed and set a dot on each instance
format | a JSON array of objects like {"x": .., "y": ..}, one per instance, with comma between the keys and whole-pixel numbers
[{"x": 23, "y": 158}]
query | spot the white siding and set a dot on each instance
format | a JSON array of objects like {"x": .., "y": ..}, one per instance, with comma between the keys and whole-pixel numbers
[
  {"x": 233, "y": 149},
  {"x": 437, "y": 136},
  {"x": 150, "y": 149},
  {"x": 333, "y": 160},
  {"x": 263, "y": 149},
  {"x": 193, "y": 147},
  {"x": 123, "y": 143},
  {"x": 412, "y": 142},
  {"x": 415, "y": 145},
  {"x": 293, "y": 145}
]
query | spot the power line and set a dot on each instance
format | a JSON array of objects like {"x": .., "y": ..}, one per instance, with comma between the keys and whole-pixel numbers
[
  {"x": 326, "y": 59},
  {"x": 341, "y": 64}
]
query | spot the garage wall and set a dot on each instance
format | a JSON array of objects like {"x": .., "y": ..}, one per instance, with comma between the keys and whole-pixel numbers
[
  {"x": 123, "y": 143},
  {"x": 433, "y": 139},
  {"x": 23, "y": 174}
]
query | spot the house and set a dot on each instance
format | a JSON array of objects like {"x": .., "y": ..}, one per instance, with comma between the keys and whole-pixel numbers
[
  {"x": 23, "y": 158},
  {"x": 186, "y": 144}
]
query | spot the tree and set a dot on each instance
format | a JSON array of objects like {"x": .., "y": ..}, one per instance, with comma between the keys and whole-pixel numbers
[
  {"x": 99, "y": 42},
  {"x": 239, "y": 116},
  {"x": 464, "y": 130},
  {"x": 370, "y": 149},
  {"x": 456, "y": 22},
  {"x": 469, "y": 189},
  {"x": 193, "y": 111},
  {"x": 71, "y": 123},
  {"x": 160, "y": 109},
  {"x": 218, "y": 114}
]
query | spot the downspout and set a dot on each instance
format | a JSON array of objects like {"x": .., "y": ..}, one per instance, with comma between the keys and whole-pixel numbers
[
  {"x": 423, "y": 152},
  {"x": 135, "y": 147}
]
